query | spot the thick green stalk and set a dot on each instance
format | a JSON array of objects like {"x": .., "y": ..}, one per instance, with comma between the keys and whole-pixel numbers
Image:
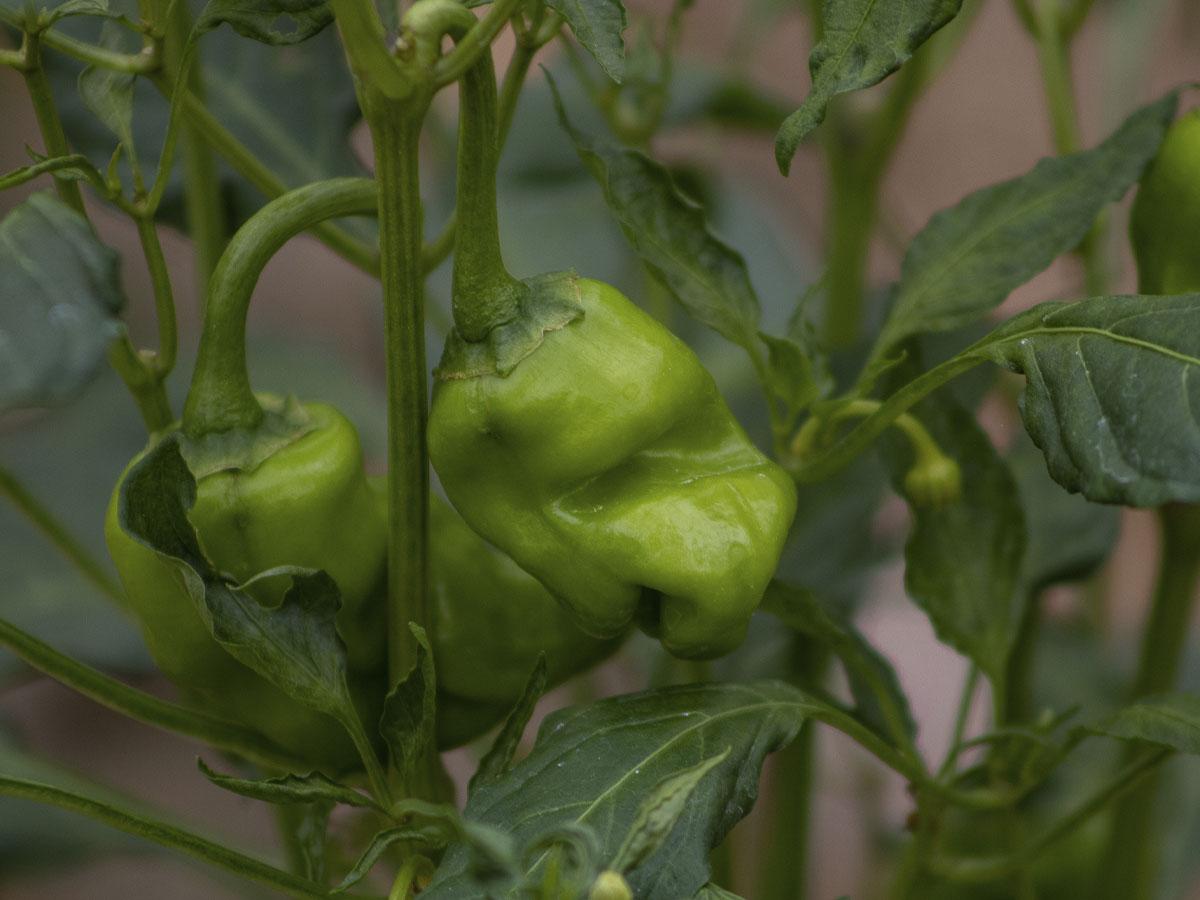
[
  {"x": 50, "y": 125},
  {"x": 47, "y": 523},
  {"x": 396, "y": 135},
  {"x": 484, "y": 293},
  {"x": 1130, "y": 861},
  {"x": 1053, "y": 38},
  {"x": 220, "y": 397}
]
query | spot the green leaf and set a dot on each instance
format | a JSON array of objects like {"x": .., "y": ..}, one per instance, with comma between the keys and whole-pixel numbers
[
  {"x": 499, "y": 757},
  {"x": 660, "y": 812},
  {"x": 863, "y": 42},
  {"x": 1112, "y": 393},
  {"x": 295, "y": 645},
  {"x": 882, "y": 704},
  {"x": 715, "y": 892},
  {"x": 1170, "y": 720},
  {"x": 973, "y": 255},
  {"x": 670, "y": 234},
  {"x": 261, "y": 19},
  {"x": 311, "y": 788},
  {"x": 60, "y": 294},
  {"x": 597, "y": 25},
  {"x": 594, "y": 765},
  {"x": 963, "y": 559},
  {"x": 292, "y": 107},
  {"x": 109, "y": 96},
  {"x": 795, "y": 375},
  {"x": 409, "y": 718},
  {"x": 1069, "y": 537}
]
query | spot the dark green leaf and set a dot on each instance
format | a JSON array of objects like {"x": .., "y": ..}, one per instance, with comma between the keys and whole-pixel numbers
[
  {"x": 1069, "y": 537},
  {"x": 670, "y": 234},
  {"x": 795, "y": 375},
  {"x": 963, "y": 559},
  {"x": 594, "y": 765},
  {"x": 409, "y": 719},
  {"x": 873, "y": 681},
  {"x": 311, "y": 788},
  {"x": 660, "y": 812},
  {"x": 863, "y": 42},
  {"x": 1112, "y": 393},
  {"x": 1170, "y": 720},
  {"x": 971, "y": 256},
  {"x": 295, "y": 645},
  {"x": 60, "y": 294},
  {"x": 597, "y": 25},
  {"x": 262, "y": 19},
  {"x": 500, "y": 756}
]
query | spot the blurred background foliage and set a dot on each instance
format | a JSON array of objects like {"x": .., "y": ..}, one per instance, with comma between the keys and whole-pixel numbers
[{"x": 316, "y": 332}]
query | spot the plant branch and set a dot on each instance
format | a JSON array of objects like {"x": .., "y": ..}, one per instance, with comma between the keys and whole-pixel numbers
[
  {"x": 164, "y": 300},
  {"x": 165, "y": 835},
  {"x": 47, "y": 523},
  {"x": 146, "y": 708},
  {"x": 49, "y": 123}
]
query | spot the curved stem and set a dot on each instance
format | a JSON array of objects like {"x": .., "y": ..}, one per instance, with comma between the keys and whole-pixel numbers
[
  {"x": 889, "y": 411},
  {"x": 146, "y": 708},
  {"x": 165, "y": 835},
  {"x": 47, "y": 523},
  {"x": 475, "y": 44},
  {"x": 220, "y": 397},
  {"x": 246, "y": 163},
  {"x": 164, "y": 300}
]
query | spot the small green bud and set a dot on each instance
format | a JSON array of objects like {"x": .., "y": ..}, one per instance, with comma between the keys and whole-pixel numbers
[
  {"x": 610, "y": 886},
  {"x": 934, "y": 481}
]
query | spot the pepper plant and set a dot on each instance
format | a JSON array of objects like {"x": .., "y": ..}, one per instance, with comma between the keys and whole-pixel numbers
[{"x": 329, "y": 632}]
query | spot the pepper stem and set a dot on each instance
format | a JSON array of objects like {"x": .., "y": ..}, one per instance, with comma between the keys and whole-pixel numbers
[
  {"x": 485, "y": 294},
  {"x": 220, "y": 397}
]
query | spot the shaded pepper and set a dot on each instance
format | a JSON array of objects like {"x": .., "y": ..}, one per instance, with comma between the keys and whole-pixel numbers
[
  {"x": 306, "y": 504},
  {"x": 492, "y": 621}
]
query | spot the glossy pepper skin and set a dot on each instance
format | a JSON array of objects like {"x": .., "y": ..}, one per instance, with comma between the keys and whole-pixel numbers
[
  {"x": 606, "y": 464},
  {"x": 308, "y": 504},
  {"x": 1164, "y": 224}
]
